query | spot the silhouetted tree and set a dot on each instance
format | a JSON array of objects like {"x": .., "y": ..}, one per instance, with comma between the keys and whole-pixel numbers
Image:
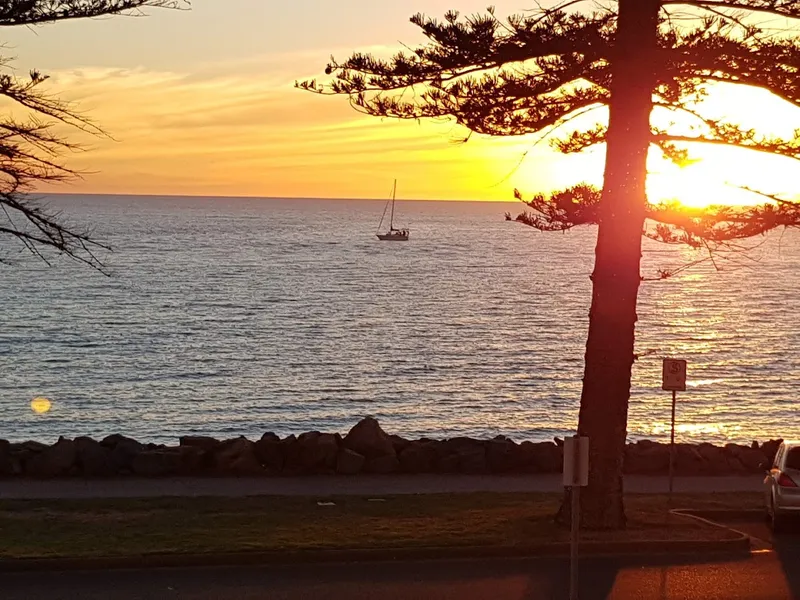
[
  {"x": 538, "y": 71},
  {"x": 30, "y": 148}
]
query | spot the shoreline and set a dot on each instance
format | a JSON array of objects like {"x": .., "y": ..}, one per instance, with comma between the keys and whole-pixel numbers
[{"x": 365, "y": 449}]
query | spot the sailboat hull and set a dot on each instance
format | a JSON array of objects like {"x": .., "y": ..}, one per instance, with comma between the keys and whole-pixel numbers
[{"x": 393, "y": 237}]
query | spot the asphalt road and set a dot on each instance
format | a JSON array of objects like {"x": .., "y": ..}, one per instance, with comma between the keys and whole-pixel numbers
[{"x": 771, "y": 575}]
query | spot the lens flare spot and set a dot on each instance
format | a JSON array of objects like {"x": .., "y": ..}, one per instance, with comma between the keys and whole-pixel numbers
[{"x": 41, "y": 405}]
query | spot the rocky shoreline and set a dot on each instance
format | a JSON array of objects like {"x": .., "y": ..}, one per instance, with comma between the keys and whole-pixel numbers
[{"x": 365, "y": 449}]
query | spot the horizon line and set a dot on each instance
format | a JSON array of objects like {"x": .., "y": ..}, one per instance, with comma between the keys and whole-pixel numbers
[{"x": 250, "y": 197}]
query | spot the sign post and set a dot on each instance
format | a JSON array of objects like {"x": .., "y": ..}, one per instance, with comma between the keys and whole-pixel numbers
[
  {"x": 673, "y": 379},
  {"x": 576, "y": 476}
]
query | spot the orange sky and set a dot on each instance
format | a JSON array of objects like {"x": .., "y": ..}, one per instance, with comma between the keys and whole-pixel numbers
[{"x": 203, "y": 103}]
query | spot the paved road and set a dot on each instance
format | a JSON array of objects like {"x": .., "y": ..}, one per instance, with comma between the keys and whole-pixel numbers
[
  {"x": 361, "y": 485},
  {"x": 767, "y": 576}
]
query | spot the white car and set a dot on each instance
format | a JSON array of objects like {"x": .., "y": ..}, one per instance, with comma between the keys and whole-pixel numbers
[{"x": 783, "y": 485}]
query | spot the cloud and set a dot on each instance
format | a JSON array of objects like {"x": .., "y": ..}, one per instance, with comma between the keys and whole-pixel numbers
[{"x": 244, "y": 129}]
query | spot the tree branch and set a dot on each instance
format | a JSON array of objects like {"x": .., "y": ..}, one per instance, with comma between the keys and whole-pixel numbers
[
  {"x": 36, "y": 12},
  {"x": 30, "y": 149},
  {"x": 789, "y": 9}
]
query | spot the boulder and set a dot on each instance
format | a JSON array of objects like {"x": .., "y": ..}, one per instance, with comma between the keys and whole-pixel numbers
[
  {"x": 94, "y": 459},
  {"x": 715, "y": 462},
  {"x": 448, "y": 463},
  {"x": 6, "y": 463},
  {"x": 205, "y": 443},
  {"x": 418, "y": 457},
  {"x": 383, "y": 465},
  {"x": 115, "y": 439},
  {"x": 399, "y": 443},
  {"x": 369, "y": 440},
  {"x": 54, "y": 461},
  {"x": 325, "y": 450},
  {"x": 237, "y": 457},
  {"x": 752, "y": 460},
  {"x": 21, "y": 453},
  {"x": 650, "y": 444},
  {"x": 193, "y": 460},
  {"x": 526, "y": 457},
  {"x": 460, "y": 454},
  {"x": 287, "y": 449},
  {"x": 270, "y": 452},
  {"x": 17, "y": 457},
  {"x": 156, "y": 463},
  {"x": 123, "y": 451},
  {"x": 502, "y": 456},
  {"x": 349, "y": 462},
  {"x": 461, "y": 444},
  {"x": 688, "y": 460},
  {"x": 648, "y": 458},
  {"x": 472, "y": 460},
  {"x": 541, "y": 457},
  {"x": 770, "y": 449},
  {"x": 29, "y": 446},
  {"x": 314, "y": 452},
  {"x": 735, "y": 466}
]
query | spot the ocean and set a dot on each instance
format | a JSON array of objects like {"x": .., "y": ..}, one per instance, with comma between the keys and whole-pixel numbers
[{"x": 234, "y": 316}]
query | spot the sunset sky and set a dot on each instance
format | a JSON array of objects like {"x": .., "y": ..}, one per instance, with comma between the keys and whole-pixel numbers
[{"x": 202, "y": 102}]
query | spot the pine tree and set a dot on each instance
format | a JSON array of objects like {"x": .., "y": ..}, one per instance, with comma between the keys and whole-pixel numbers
[
  {"x": 536, "y": 72},
  {"x": 30, "y": 148}
]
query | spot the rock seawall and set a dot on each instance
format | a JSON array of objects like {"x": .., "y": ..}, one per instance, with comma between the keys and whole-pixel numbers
[{"x": 365, "y": 449}]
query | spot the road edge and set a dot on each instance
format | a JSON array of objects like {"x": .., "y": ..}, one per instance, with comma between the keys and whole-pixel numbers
[{"x": 734, "y": 547}]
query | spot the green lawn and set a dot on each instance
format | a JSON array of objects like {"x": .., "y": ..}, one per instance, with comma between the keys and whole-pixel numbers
[{"x": 124, "y": 527}]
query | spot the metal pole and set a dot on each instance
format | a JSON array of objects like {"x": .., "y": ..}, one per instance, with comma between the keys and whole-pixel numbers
[
  {"x": 672, "y": 449},
  {"x": 573, "y": 560},
  {"x": 575, "y": 522},
  {"x": 394, "y": 192}
]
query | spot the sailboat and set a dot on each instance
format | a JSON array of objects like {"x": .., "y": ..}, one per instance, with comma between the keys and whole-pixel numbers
[{"x": 393, "y": 235}]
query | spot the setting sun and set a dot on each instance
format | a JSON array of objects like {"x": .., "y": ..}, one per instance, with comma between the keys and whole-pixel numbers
[
  {"x": 719, "y": 179},
  {"x": 695, "y": 186}
]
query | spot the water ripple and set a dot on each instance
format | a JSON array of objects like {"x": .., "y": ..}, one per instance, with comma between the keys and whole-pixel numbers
[{"x": 233, "y": 317}]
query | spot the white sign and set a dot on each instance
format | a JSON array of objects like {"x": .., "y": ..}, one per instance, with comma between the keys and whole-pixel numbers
[
  {"x": 576, "y": 462},
  {"x": 673, "y": 375}
]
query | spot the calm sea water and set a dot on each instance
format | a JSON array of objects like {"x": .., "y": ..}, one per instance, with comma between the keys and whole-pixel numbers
[{"x": 238, "y": 316}]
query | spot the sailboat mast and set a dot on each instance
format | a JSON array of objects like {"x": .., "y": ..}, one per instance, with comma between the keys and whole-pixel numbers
[{"x": 391, "y": 217}]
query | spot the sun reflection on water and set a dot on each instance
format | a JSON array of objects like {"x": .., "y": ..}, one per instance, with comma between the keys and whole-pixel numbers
[
  {"x": 703, "y": 382},
  {"x": 696, "y": 429}
]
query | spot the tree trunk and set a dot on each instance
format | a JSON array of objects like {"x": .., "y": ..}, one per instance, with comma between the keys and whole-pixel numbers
[{"x": 612, "y": 320}]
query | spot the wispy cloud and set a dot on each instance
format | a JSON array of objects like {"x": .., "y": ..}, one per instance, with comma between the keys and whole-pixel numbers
[{"x": 246, "y": 130}]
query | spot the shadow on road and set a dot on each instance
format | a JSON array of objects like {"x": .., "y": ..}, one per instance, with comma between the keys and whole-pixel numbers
[
  {"x": 598, "y": 577},
  {"x": 499, "y": 579},
  {"x": 787, "y": 547}
]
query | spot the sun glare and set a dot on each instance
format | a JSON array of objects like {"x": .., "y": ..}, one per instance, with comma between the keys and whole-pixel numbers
[
  {"x": 697, "y": 186},
  {"x": 41, "y": 405}
]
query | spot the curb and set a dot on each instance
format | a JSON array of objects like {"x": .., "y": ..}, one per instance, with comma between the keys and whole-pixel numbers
[
  {"x": 733, "y": 547},
  {"x": 711, "y": 516},
  {"x": 722, "y": 514}
]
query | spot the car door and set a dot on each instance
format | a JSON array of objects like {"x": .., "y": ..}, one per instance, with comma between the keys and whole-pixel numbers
[{"x": 772, "y": 477}]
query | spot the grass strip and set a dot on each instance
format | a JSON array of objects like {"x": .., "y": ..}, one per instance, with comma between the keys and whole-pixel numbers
[{"x": 132, "y": 527}]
